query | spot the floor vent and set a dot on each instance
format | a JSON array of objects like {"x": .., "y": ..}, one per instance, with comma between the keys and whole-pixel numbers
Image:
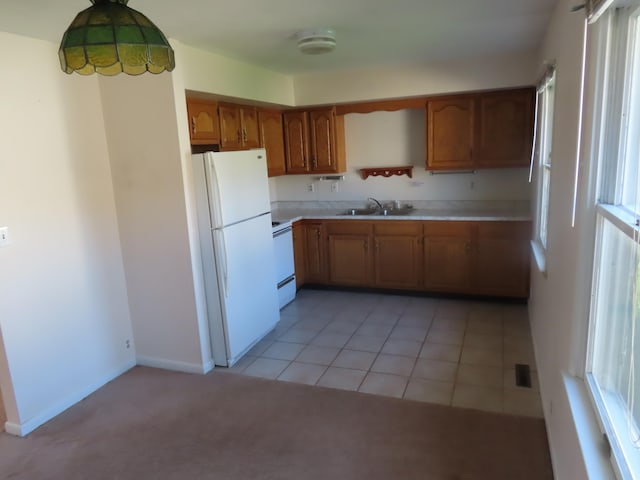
[{"x": 523, "y": 375}]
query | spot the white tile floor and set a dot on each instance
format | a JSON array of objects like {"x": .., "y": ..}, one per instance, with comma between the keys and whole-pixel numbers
[{"x": 453, "y": 352}]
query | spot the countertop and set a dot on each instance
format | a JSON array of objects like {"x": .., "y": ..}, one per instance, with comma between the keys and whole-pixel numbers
[{"x": 516, "y": 212}]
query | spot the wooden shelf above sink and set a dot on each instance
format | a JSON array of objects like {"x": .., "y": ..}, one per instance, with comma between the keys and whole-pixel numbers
[{"x": 387, "y": 171}]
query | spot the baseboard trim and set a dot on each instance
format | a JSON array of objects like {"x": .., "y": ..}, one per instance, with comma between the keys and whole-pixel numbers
[
  {"x": 210, "y": 365},
  {"x": 23, "y": 429},
  {"x": 174, "y": 365}
]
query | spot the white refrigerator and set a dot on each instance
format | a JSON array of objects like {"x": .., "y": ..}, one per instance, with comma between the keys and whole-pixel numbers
[{"x": 236, "y": 244}]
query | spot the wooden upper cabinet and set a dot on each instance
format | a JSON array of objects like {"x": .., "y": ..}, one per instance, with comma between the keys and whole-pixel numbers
[
  {"x": 483, "y": 130},
  {"x": 296, "y": 146},
  {"x": 327, "y": 141},
  {"x": 249, "y": 128},
  {"x": 315, "y": 141},
  {"x": 230, "y": 135},
  {"x": 238, "y": 127},
  {"x": 505, "y": 128},
  {"x": 204, "y": 127},
  {"x": 450, "y": 133},
  {"x": 272, "y": 139}
]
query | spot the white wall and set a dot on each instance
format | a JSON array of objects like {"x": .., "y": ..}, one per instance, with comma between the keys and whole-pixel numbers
[
  {"x": 383, "y": 139},
  {"x": 146, "y": 159},
  {"x": 64, "y": 317},
  {"x": 416, "y": 80},
  {"x": 211, "y": 73},
  {"x": 559, "y": 300}
]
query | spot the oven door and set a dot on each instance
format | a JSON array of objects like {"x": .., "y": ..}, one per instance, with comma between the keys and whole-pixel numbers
[{"x": 283, "y": 247}]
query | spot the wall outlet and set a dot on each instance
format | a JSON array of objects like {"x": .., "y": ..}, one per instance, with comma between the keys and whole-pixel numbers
[
  {"x": 127, "y": 344},
  {"x": 4, "y": 236},
  {"x": 311, "y": 187},
  {"x": 334, "y": 187}
]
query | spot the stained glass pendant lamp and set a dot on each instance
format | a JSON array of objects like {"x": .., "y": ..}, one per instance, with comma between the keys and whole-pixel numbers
[{"x": 110, "y": 38}]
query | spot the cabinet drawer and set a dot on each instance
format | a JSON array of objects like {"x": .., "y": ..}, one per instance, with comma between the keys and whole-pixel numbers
[
  {"x": 513, "y": 230},
  {"x": 393, "y": 227},
  {"x": 349, "y": 227},
  {"x": 447, "y": 229}
]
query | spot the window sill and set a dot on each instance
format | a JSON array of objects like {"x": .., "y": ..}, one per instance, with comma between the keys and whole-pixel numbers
[
  {"x": 592, "y": 444},
  {"x": 539, "y": 254}
]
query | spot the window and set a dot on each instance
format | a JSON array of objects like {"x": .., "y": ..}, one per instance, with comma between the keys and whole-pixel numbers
[
  {"x": 542, "y": 158},
  {"x": 613, "y": 364}
]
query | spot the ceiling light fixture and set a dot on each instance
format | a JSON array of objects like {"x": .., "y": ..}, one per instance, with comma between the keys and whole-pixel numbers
[
  {"x": 110, "y": 38},
  {"x": 316, "y": 41}
]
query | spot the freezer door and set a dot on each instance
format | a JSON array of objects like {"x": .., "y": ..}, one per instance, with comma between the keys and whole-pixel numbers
[
  {"x": 238, "y": 186},
  {"x": 248, "y": 285}
]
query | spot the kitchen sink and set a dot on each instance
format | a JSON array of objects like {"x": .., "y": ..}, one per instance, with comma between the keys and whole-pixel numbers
[
  {"x": 394, "y": 211},
  {"x": 385, "y": 212},
  {"x": 360, "y": 211}
]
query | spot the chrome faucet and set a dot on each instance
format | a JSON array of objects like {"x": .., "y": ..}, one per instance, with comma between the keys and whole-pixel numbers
[{"x": 376, "y": 202}]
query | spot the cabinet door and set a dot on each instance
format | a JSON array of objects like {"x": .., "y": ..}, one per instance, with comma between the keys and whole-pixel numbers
[
  {"x": 204, "y": 128},
  {"x": 315, "y": 266},
  {"x": 349, "y": 252},
  {"x": 450, "y": 133},
  {"x": 299, "y": 252},
  {"x": 323, "y": 150},
  {"x": 296, "y": 139},
  {"x": 448, "y": 256},
  {"x": 398, "y": 255},
  {"x": 272, "y": 139},
  {"x": 502, "y": 259},
  {"x": 230, "y": 132},
  {"x": 505, "y": 128},
  {"x": 349, "y": 259},
  {"x": 249, "y": 127}
]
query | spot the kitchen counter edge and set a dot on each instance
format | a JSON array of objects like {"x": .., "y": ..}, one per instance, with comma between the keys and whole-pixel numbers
[{"x": 449, "y": 215}]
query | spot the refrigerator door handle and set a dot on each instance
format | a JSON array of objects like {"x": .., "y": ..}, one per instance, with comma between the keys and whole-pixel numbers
[
  {"x": 215, "y": 204},
  {"x": 222, "y": 244}
]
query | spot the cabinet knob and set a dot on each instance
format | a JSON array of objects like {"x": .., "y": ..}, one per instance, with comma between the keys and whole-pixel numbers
[
  {"x": 193, "y": 125},
  {"x": 244, "y": 135}
]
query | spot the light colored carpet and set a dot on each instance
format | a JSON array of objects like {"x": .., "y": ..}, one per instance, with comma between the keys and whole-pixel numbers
[{"x": 155, "y": 424}]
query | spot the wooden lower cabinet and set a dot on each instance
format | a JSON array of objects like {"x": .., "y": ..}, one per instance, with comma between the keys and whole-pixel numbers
[
  {"x": 477, "y": 258},
  {"x": 462, "y": 257},
  {"x": 349, "y": 252},
  {"x": 315, "y": 265},
  {"x": 299, "y": 258},
  {"x": 397, "y": 255},
  {"x": 448, "y": 256},
  {"x": 502, "y": 259}
]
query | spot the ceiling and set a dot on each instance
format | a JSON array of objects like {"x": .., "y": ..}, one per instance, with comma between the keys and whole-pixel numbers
[{"x": 369, "y": 33}]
